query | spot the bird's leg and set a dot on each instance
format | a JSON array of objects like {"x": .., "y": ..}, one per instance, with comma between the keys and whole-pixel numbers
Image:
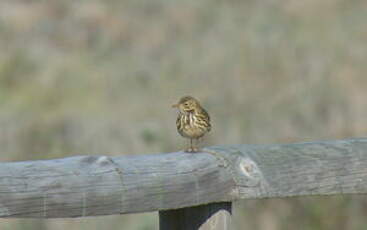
[
  {"x": 196, "y": 149},
  {"x": 191, "y": 146},
  {"x": 190, "y": 150}
]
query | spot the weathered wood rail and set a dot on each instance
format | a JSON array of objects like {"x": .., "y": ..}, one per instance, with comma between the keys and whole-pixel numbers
[{"x": 175, "y": 183}]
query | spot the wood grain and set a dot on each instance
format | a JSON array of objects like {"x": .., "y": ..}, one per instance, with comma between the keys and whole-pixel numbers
[{"x": 101, "y": 185}]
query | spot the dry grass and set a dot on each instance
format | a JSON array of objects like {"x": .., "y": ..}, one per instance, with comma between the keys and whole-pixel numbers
[{"x": 94, "y": 77}]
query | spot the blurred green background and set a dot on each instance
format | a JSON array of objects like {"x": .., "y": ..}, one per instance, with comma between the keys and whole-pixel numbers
[{"x": 98, "y": 77}]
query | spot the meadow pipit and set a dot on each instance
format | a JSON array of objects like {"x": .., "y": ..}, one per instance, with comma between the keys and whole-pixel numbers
[{"x": 193, "y": 121}]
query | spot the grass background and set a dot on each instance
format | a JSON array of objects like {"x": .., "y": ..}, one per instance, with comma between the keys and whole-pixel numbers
[{"x": 98, "y": 77}]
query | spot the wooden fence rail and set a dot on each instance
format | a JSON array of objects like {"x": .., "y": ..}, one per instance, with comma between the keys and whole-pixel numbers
[{"x": 187, "y": 188}]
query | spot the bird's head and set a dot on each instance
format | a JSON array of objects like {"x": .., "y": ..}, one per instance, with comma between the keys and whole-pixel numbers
[{"x": 187, "y": 104}]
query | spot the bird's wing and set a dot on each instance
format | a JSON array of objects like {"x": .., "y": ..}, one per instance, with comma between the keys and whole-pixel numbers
[
  {"x": 206, "y": 114},
  {"x": 204, "y": 117}
]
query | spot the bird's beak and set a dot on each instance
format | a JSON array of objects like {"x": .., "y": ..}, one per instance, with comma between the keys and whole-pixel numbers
[{"x": 175, "y": 106}]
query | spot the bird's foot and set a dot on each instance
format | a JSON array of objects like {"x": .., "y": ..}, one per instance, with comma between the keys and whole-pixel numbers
[
  {"x": 195, "y": 150},
  {"x": 189, "y": 150},
  {"x": 192, "y": 150}
]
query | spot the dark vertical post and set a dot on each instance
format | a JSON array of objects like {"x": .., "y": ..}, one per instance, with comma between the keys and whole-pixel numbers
[{"x": 215, "y": 216}]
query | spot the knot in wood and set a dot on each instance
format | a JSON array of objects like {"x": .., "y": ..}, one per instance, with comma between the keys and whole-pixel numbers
[
  {"x": 243, "y": 169},
  {"x": 247, "y": 173},
  {"x": 104, "y": 160},
  {"x": 246, "y": 167}
]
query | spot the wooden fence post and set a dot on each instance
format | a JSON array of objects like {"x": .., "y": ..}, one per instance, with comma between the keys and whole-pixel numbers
[{"x": 214, "y": 216}]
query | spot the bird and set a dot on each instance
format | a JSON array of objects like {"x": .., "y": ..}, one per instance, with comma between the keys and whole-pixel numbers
[{"x": 193, "y": 121}]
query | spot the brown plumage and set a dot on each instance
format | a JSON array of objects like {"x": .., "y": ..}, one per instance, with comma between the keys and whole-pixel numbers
[{"x": 193, "y": 121}]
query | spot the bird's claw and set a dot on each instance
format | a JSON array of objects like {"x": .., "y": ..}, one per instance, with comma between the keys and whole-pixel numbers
[
  {"x": 189, "y": 150},
  {"x": 192, "y": 150}
]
